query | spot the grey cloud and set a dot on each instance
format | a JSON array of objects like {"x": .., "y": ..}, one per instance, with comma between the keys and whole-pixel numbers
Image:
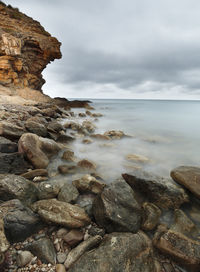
[{"x": 123, "y": 43}]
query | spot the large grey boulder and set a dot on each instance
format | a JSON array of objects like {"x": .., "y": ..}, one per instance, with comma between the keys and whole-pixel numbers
[
  {"x": 119, "y": 252},
  {"x": 189, "y": 177},
  {"x": 12, "y": 186},
  {"x": 116, "y": 208},
  {"x": 163, "y": 192},
  {"x": 19, "y": 221}
]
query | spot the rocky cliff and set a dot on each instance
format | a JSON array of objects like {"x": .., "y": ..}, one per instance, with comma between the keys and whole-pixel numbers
[{"x": 25, "y": 49}]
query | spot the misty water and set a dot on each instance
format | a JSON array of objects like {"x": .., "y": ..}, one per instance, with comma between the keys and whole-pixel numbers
[{"x": 165, "y": 132}]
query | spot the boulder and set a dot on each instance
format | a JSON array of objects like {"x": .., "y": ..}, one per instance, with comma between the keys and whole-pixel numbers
[
  {"x": 19, "y": 221},
  {"x": 161, "y": 191},
  {"x": 23, "y": 258},
  {"x": 54, "y": 126},
  {"x": 61, "y": 213},
  {"x": 68, "y": 193},
  {"x": 118, "y": 252},
  {"x": 89, "y": 184},
  {"x": 36, "y": 128},
  {"x": 13, "y": 163},
  {"x": 38, "y": 150},
  {"x": 114, "y": 134},
  {"x": 151, "y": 216},
  {"x": 7, "y": 146},
  {"x": 77, "y": 252},
  {"x": 117, "y": 209},
  {"x": 189, "y": 177},
  {"x": 10, "y": 130},
  {"x": 179, "y": 247},
  {"x": 86, "y": 164},
  {"x": 88, "y": 126},
  {"x": 35, "y": 173},
  {"x": 12, "y": 186},
  {"x": 49, "y": 189},
  {"x": 68, "y": 155},
  {"x": 4, "y": 244},
  {"x": 43, "y": 249}
]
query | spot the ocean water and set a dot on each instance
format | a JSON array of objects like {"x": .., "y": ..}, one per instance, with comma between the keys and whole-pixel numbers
[{"x": 167, "y": 133}]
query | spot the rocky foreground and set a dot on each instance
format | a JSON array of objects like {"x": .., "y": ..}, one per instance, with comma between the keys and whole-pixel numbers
[{"x": 52, "y": 221}]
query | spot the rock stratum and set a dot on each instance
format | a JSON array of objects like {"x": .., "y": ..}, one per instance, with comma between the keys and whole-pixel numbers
[{"x": 25, "y": 49}]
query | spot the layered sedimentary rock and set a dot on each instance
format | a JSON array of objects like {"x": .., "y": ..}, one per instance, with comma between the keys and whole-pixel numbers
[{"x": 25, "y": 49}]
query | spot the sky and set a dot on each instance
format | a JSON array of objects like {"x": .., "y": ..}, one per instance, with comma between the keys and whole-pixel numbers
[{"x": 121, "y": 48}]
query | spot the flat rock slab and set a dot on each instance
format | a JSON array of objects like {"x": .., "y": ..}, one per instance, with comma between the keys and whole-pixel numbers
[
  {"x": 19, "y": 221},
  {"x": 181, "y": 248},
  {"x": 61, "y": 213},
  {"x": 116, "y": 209},
  {"x": 119, "y": 252},
  {"x": 189, "y": 177},
  {"x": 164, "y": 192},
  {"x": 12, "y": 186}
]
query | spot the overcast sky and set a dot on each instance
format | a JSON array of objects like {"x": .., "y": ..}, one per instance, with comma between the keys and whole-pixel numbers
[{"x": 121, "y": 48}]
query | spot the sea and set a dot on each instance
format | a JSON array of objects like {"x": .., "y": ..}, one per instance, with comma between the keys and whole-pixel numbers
[{"x": 164, "y": 134}]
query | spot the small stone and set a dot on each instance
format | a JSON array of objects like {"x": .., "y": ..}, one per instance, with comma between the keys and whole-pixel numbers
[
  {"x": 60, "y": 268},
  {"x": 61, "y": 232},
  {"x": 61, "y": 257},
  {"x": 73, "y": 237},
  {"x": 68, "y": 155},
  {"x": 86, "y": 164},
  {"x": 66, "y": 169},
  {"x": 68, "y": 193},
  {"x": 23, "y": 258}
]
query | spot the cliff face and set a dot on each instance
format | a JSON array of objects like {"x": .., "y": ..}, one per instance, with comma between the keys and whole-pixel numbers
[{"x": 25, "y": 49}]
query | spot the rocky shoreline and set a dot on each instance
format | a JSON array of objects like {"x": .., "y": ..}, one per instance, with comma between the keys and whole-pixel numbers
[{"x": 52, "y": 221}]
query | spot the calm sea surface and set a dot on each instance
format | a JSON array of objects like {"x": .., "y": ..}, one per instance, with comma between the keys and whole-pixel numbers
[{"x": 165, "y": 132}]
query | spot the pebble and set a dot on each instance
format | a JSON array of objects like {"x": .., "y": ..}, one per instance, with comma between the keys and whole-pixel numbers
[{"x": 60, "y": 268}]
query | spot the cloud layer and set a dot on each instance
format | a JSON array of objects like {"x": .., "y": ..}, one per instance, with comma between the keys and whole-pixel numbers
[{"x": 123, "y": 48}]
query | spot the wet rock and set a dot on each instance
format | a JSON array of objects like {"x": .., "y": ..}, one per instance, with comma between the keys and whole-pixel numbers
[
  {"x": 72, "y": 125},
  {"x": 86, "y": 164},
  {"x": 117, "y": 209},
  {"x": 81, "y": 114},
  {"x": 136, "y": 158},
  {"x": 86, "y": 201},
  {"x": 97, "y": 115},
  {"x": 77, "y": 252},
  {"x": 44, "y": 250},
  {"x": 10, "y": 130},
  {"x": 100, "y": 137},
  {"x": 181, "y": 248},
  {"x": 88, "y": 126},
  {"x": 161, "y": 191},
  {"x": 13, "y": 163},
  {"x": 184, "y": 225},
  {"x": 61, "y": 213},
  {"x": 36, "y": 128},
  {"x": 67, "y": 169},
  {"x": 7, "y": 146},
  {"x": 87, "y": 141},
  {"x": 88, "y": 113},
  {"x": 23, "y": 258},
  {"x": 12, "y": 186},
  {"x": 54, "y": 126},
  {"x": 37, "y": 149},
  {"x": 35, "y": 173},
  {"x": 48, "y": 189},
  {"x": 4, "y": 244},
  {"x": 68, "y": 155},
  {"x": 118, "y": 252},
  {"x": 60, "y": 268},
  {"x": 151, "y": 216},
  {"x": 189, "y": 177},
  {"x": 68, "y": 193},
  {"x": 89, "y": 184},
  {"x": 114, "y": 134},
  {"x": 73, "y": 237},
  {"x": 19, "y": 221}
]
